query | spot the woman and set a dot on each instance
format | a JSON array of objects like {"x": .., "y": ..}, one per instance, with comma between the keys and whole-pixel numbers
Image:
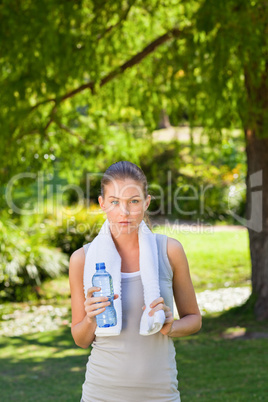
[{"x": 130, "y": 367}]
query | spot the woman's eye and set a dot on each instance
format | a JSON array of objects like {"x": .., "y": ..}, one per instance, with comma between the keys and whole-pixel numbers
[
  {"x": 134, "y": 201},
  {"x": 114, "y": 202}
]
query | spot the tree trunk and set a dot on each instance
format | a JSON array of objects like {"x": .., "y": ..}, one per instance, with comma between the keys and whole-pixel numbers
[
  {"x": 257, "y": 218},
  {"x": 164, "y": 120}
]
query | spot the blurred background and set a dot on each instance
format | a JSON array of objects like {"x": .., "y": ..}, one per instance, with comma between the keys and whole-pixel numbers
[{"x": 181, "y": 89}]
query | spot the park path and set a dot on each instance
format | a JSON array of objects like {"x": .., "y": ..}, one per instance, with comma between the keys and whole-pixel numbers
[
  {"x": 48, "y": 318},
  {"x": 213, "y": 301}
]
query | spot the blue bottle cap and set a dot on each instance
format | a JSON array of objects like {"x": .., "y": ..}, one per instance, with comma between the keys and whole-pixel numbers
[{"x": 100, "y": 265}]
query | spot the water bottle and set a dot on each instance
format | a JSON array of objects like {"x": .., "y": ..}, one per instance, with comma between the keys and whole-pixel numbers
[{"x": 102, "y": 279}]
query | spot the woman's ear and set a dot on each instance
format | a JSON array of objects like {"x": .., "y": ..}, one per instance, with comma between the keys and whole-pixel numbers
[
  {"x": 101, "y": 202},
  {"x": 147, "y": 202}
]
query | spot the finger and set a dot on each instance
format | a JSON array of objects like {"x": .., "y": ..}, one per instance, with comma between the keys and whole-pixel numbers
[
  {"x": 96, "y": 309},
  {"x": 96, "y": 306},
  {"x": 92, "y": 314},
  {"x": 116, "y": 296},
  {"x": 143, "y": 308},
  {"x": 160, "y": 306},
  {"x": 90, "y": 291},
  {"x": 93, "y": 300},
  {"x": 169, "y": 314},
  {"x": 157, "y": 301},
  {"x": 169, "y": 320},
  {"x": 99, "y": 311}
]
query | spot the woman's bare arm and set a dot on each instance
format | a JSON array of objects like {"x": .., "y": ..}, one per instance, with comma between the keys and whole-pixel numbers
[
  {"x": 83, "y": 330},
  {"x": 184, "y": 294}
]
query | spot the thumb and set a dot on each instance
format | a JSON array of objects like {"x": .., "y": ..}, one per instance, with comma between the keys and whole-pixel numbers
[{"x": 143, "y": 307}]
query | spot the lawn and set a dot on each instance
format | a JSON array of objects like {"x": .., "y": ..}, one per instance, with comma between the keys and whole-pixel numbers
[
  {"x": 222, "y": 370},
  {"x": 42, "y": 367},
  {"x": 48, "y": 366},
  {"x": 217, "y": 259}
]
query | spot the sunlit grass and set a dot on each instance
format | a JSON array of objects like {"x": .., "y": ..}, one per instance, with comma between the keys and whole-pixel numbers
[
  {"x": 48, "y": 366},
  {"x": 41, "y": 367},
  {"x": 216, "y": 258},
  {"x": 222, "y": 370}
]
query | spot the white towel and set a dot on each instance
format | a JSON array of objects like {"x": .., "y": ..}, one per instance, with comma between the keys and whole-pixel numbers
[{"x": 102, "y": 249}]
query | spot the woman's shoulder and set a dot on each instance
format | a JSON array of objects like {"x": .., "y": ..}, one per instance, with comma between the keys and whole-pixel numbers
[
  {"x": 171, "y": 250},
  {"x": 173, "y": 244},
  {"x": 175, "y": 251},
  {"x": 78, "y": 255},
  {"x": 77, "y": 261}
]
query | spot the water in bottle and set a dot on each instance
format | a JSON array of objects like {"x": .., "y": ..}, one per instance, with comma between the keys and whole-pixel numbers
[{"x": 102, "y": 279}]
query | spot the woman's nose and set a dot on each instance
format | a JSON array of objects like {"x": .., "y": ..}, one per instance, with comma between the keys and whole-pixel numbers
[{"x": 124, "y": 210}]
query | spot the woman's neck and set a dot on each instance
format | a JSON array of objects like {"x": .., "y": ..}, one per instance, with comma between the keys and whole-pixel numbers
[{"x": 126, "y": 241}]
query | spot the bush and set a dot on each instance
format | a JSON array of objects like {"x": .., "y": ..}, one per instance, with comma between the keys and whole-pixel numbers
[
  {"x": 75, "y": 230},
  {"x": 63, "y": 227},
  {"x": 34, "y": 247},
  {"x": 25, "y": 261}
]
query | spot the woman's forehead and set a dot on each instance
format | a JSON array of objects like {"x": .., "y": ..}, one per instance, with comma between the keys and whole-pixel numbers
[{"x": 125, "y": 188}]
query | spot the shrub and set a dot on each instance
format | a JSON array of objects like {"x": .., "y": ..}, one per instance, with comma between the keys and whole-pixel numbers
[
  {"x": 25, "y": 261},
  {"x": 64, "y": 228},
  {"x": 75, "y": 229}
]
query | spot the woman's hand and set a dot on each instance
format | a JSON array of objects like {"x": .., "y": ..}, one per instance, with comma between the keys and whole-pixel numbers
[
  {"x": 95, "y": 305},
  {"x": 159, "y": 304}
]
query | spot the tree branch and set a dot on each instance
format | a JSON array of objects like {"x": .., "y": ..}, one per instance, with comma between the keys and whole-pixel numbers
[
  {"x": 173, "y": 33},
  {"x": 68, "y": 130},
  {"x": 42, "y": 103},
  {"x": 130, "y": 63}
]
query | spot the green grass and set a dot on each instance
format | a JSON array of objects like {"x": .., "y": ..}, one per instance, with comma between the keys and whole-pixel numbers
[
  {"x": 222, "y": 370},
  {"x": 216, "y": 259},
  {"x": 217, "y": 369},
  {"x": 42, "y": 367},
  {"x": 48, "y": 366}
]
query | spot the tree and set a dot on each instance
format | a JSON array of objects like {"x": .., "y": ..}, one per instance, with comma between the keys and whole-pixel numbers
[
  {"x": 73, "y": 69},
  {"x": 236, "y": 41}
]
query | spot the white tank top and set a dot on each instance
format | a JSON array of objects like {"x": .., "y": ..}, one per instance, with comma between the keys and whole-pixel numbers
[{"x": 131, "y": 367}]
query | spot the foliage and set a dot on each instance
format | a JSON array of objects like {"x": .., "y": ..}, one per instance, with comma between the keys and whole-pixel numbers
[
  {"x": 93, "y": 78},
  {"x": 25, "y": 261},
  {"x": 81, "y": 67},
  {"x": 68, "y": 45},
  {"x": 76, "y": 228},
  {"x": 183, "y": 188},
  {"x": 231, "y": 46},
  {"x": 72, "y": 70},
  {"x": 64, "y": 227}
]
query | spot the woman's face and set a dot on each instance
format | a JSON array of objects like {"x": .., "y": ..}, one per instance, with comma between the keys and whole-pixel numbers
[{"x": 124, "y": 205}]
